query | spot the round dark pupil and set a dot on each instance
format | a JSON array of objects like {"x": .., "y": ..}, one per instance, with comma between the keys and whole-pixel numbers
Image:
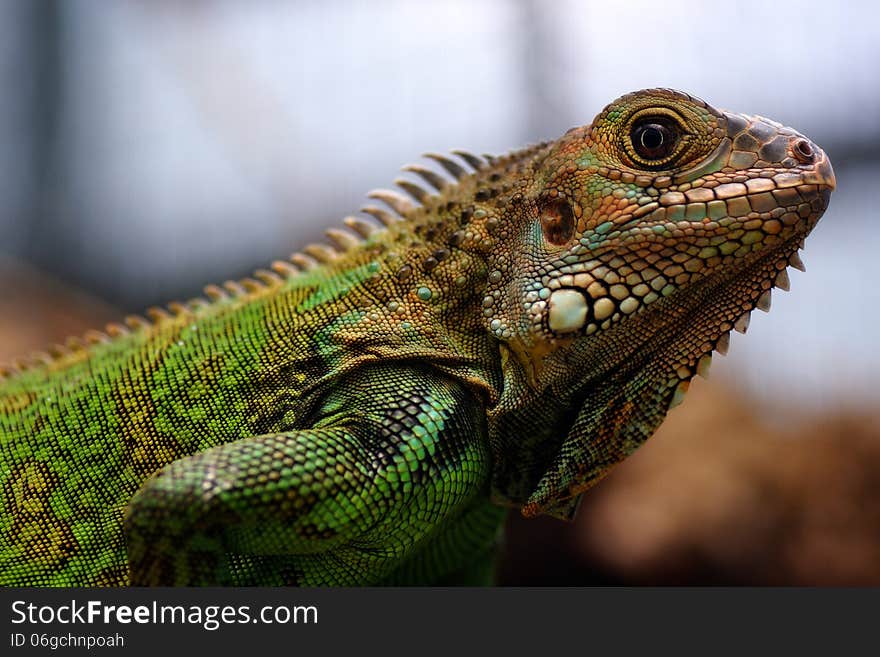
[
  {"x": 653, "y": 140},
  {"x": 652, "y": 137}
]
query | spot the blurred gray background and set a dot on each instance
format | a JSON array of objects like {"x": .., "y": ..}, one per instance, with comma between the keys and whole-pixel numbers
[{"x": 151, "y": 147}]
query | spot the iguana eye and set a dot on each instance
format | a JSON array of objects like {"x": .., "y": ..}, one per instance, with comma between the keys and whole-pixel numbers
[{"x": 654, "y": 138}]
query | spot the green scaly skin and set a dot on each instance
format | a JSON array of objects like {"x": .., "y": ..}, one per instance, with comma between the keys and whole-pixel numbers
[{"x": 364, "y": 413}]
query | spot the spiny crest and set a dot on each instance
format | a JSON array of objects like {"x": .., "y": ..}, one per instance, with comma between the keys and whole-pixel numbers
[
  {"x": 398, "y": 207},
  {"x": 312, "y": 256},
  {"x": 722, "y": 345}
]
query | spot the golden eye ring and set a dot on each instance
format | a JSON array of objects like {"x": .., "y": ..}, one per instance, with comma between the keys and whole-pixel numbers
[{"x": 654, "y": 139}]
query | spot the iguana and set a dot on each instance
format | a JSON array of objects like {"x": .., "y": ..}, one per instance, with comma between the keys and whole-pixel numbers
[{"x": 364, "y": 412}]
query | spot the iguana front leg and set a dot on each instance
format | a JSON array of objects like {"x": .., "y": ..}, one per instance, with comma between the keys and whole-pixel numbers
[{"x": 394, "y": 456}]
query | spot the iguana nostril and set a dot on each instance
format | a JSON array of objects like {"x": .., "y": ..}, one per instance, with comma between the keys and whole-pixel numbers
[{"x": 803, "y": 150}]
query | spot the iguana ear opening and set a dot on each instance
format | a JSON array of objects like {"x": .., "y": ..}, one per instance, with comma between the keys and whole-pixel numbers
[{"x": 558, "y": 222}]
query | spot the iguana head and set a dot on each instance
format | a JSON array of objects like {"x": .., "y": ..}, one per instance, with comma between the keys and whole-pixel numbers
[{"x": 635, "y": 245}]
